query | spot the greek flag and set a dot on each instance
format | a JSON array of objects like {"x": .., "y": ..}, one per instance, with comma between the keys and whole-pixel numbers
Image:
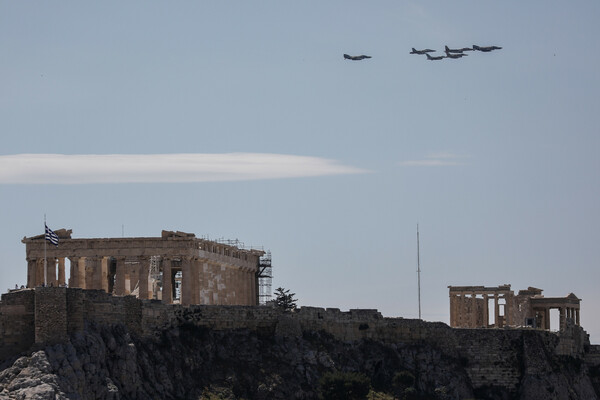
[{"x": 51, "y": 236}]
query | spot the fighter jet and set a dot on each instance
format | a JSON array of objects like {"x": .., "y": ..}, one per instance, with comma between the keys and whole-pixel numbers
[
  {"x": 486, "y": 49},
  {"x": 457, "y": 50},
  {"x": 434, "y": 58},
  {"x": 356, "y": 58},
  {"x": 459, "y": 55},
  {"x": 447, "y": 50},
  {"x": 425, "y": 51}
]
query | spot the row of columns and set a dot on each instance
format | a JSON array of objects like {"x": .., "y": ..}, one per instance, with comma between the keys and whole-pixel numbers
[
  {"x": 565, "y": 313},
  {"x": 469, "y": 311},
  {"x": 202, "y": 281},
  {"x": 571, "y": 313},
  {"x": 35, "y": 272}
]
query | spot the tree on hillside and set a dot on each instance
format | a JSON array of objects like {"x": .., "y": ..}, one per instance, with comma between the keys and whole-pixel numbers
[{"x": 284, "y": 299}]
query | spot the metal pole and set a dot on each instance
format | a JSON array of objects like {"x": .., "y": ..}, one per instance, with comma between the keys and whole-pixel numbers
[
  {"x": 419, "y": 271},
  {"x": 45, "y": 259}
]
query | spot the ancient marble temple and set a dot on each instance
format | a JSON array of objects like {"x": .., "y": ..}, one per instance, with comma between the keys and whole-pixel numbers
[
  {"x": 497, "y": 307},
  {"x": 177, "y": 267}
]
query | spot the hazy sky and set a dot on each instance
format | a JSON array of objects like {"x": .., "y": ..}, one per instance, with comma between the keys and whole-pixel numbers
[{"x": 242, "y": 120}]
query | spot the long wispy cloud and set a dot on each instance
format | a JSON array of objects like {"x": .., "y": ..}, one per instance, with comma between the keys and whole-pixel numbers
[
  {"x": 161, "y": 168},
  {"x": 436, "y": 160}
]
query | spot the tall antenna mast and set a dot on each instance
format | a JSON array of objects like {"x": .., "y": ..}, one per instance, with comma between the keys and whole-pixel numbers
[{"x": 419, "y": 271}]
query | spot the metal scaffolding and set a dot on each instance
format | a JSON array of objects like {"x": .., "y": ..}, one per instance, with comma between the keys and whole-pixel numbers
[{"x": 265, "y": 278}]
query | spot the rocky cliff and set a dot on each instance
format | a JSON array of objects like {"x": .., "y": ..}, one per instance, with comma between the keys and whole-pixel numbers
[{"x": 188, "y": 361}]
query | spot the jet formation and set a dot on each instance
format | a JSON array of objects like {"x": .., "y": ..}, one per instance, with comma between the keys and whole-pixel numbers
[
  {"x": 450, "y": 53},
  {"x": 454, "y": 53}
]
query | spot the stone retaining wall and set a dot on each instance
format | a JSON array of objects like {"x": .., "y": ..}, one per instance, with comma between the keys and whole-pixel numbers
[{"x": 492, "y": 357}]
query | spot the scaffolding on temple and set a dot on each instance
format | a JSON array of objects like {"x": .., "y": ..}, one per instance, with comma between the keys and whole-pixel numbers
[
  {"x": 155, "y": 277},
  {"x": 265, "y": 278}
]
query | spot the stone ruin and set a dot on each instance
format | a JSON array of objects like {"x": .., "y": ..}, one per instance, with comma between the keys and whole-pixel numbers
[
  {"x": 470, "y": 308},
  {"x": 177, "y": 267}
]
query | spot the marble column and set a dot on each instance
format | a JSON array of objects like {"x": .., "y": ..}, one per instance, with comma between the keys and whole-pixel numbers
[
  {"x": 103, "y": 273},
  {"x": 186, "y": 281},
  {"x": 508, "y": 310},
  {"x": 486, "y": 311},
  {"x": 73, "y": 274},
  {"x": 93, "y": 273},
  {"x": 473, "y": 323},
  {"x": 239, "y": 291},
  {"x": 496, "y": 312},
  {"x": 238, "y": 286},
  {"x": 39, "y": 272},
  {"x": 562, "y": 318},
  {"x": 120, "y": 277},
  {"x": 61, "y": 271},
  {"x": 77, "y": 279},
  {"x": 452, "y": 309},
  {"x": 167, "y": 281},
  {"x": 51, "y": 271},
  {"x": 32, "y": 272},
  {"x": 203, "y": 283},
  {"x": 144, "y": 292}
]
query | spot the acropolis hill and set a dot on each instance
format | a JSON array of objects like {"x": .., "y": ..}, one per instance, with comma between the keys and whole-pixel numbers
[{"x": 120, "y": 330}]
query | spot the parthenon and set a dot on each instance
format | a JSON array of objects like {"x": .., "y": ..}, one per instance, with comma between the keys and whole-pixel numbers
[
  {"x": 470, "y": 307},
  {"x": 177, "y": 267}
]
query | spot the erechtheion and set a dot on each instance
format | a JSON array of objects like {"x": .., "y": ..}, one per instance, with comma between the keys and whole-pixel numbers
[{"x": 471, "y": 307}]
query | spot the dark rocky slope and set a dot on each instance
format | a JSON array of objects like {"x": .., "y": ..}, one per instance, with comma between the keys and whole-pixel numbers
[{"x": 191, "y": 362}]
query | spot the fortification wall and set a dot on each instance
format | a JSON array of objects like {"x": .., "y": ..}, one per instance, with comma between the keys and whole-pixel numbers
[
  {"x": 51, "y": 315},
  {"x": 17, "y": 322},
  {"x": 493, "y": 357}
]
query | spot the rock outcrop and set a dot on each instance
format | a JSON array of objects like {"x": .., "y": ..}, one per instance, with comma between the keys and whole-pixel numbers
[{"x": 187, "y": 361}]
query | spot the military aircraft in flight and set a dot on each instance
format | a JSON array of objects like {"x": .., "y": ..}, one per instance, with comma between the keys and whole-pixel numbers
[
  {"x": 424, "y": 51},
  {"x": 455, "y": 55},
  {"x": 434, "y": 58},
  {"x": 356, "y": 58},
  {"x": 486, "y": 49},
  {"x": 457, "y": 50}
]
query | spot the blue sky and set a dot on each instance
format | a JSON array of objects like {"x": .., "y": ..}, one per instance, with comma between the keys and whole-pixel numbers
[{"x": 328, "y": 163}]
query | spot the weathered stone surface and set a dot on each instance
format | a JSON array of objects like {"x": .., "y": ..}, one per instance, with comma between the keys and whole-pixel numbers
[
  {"x": 31, "y": 378},
  {"x": 187, "y": 360}
]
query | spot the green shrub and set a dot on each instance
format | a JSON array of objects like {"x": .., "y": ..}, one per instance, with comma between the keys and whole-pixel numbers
[
  {"x": 344, "y": 386},
  {"x": 403, "y": 379}
]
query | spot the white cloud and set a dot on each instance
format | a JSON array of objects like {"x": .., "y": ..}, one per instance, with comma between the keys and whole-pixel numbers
[
  {"x": 435, "y": 160},
  {"x": 155, "y": 168}
]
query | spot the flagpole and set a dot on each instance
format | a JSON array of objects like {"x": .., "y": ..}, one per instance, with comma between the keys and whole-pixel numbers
[{"x": 45, "y": 259}]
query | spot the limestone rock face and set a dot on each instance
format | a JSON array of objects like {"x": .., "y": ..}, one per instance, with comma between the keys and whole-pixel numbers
[
  {"x": 191, "y": 362},
  {"x": 31, "y": 377}
]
